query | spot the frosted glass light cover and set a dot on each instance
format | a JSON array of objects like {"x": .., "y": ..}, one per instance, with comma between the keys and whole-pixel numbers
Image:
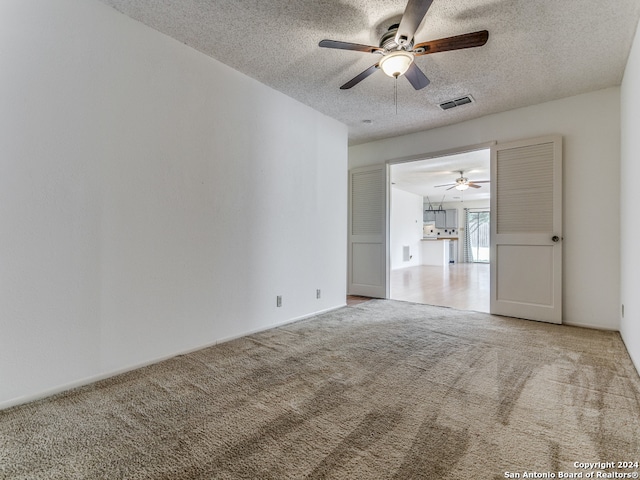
[{"x": 396, "y": 63}]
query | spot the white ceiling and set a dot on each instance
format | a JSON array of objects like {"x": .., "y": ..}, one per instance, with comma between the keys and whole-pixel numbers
[
  {"x": 421, "y": 177},
  {"x": 538, "y": 50}
]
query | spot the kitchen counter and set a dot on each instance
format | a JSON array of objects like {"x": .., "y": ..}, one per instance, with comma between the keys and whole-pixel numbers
[{"x": 439, "y": 253}]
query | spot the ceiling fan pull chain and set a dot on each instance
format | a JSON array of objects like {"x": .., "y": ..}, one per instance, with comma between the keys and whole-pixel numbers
[{"x": 395, "y": 91}]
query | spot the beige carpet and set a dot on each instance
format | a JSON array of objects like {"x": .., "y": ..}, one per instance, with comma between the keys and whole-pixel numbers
[{"x": 380, "y": 390}]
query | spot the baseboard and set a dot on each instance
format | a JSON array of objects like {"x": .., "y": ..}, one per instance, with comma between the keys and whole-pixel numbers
[
  {"x": 269, "y": 327},
  {"x": 103, "y": 376},
  {"x": 634, "y": 361},
  {"x": 592, "y": 327}
]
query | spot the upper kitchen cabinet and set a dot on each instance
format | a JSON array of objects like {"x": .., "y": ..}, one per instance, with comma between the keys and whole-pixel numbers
[
  {"x": 451, "y": 218},
  {"x": 429, "y": 216},
  {"x": 441, "y": 218},
  {"x": 435, "y": 216}
]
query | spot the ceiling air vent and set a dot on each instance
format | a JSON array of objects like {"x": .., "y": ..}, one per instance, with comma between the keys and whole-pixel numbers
[{"x": 457, "y": 102}]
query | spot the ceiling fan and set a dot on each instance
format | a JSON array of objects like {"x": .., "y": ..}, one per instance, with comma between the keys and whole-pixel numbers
[
  {"x": 462, "y": 183},
  {"x": 398, "y": 49}
]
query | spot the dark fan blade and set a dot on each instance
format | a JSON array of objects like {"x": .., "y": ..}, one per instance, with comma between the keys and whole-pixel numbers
[
  {"x": 349, "y": 46},
  {"x": 481, "y": 181},
  {"x": 416, "y": 77},
  {"x": 358, "y": 78},
  {"x": 411, "y": 19},
  {"x": 446, "y": 185},
  {"x": 473, "y": 185},
  {"x": 452, "y": 187},
  {"x": 468, "y": 40}
]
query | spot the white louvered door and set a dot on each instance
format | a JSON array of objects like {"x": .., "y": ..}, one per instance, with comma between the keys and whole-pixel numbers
[
  {"x": 526, "y": 229},
  {"x": 367, "y": 231}
]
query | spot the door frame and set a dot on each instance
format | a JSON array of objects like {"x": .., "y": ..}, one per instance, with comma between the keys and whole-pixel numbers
[{"x": 415, "y": 158}]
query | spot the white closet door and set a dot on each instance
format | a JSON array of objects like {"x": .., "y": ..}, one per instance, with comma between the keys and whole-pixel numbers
[
  {"x": 367, "y": 231},
  {"x": 526, "y": 229}
]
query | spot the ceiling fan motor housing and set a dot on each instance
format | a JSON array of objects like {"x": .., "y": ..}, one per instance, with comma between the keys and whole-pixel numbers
[{"x": 388, "y": 40}]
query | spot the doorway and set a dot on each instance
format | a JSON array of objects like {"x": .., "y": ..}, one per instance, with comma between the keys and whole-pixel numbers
[
  {"x": 526, "y": 227},
  {"x": 439, "y": 226}
]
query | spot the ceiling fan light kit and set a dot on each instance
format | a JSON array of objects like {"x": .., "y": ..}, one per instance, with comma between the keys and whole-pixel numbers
[
  {"x": 395, "y": 64},
  {"x": 398, "y": 49}
]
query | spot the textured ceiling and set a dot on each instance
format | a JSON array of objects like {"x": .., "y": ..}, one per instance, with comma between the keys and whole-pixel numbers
[{"x": 538, "y": 50}]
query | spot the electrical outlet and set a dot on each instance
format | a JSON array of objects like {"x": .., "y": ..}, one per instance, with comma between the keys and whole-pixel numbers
[
  {"x": 318, "y": 293},
  {"x": 279, "y": 301}
]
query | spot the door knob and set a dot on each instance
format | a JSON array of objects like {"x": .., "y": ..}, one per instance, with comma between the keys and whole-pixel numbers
[{"x": 555, "y": 239}]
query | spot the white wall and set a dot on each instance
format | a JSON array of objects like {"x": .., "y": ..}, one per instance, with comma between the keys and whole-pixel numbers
[
  {"x": 152, "y": 200},
  {"x": 629, "y": 200},
  {"x": 406, "y": 227},
  {"x": 590, "y": 125}
]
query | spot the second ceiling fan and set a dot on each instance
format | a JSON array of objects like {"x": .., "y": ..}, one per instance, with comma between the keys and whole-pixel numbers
[
  {"x": 399, "y": 51},
  {"x": 462, "y": 183}
]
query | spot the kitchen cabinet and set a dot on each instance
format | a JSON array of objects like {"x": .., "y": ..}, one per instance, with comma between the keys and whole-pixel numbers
[
  {"x": 451, "y": 220},
  {"x": 441, "y": 218},
  {"x": 429, "y": 216},
  {"x": 435, "y": 216}
]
